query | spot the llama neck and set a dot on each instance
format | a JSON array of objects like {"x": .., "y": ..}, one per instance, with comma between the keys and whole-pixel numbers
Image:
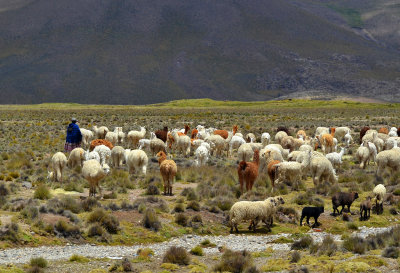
[{"x": 256, "y": 157}]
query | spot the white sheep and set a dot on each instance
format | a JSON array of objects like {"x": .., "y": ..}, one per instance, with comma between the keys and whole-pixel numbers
[
  {"x": 87, "y": 136},
  {"x": 265, "y": 138},
  {"x": 133, "y": 137},
  {"x": 100, "y": 132},
  {"x": 348, "y": 139},
  {"x": 104, "y": 153},
  {"x": 388, "y": 158},
  {"x": 255, "y": 211},
  {"x": 379, "y": 195},
  {"x": 76, "y": 157},
  {"x": 280, "y": 135},
  {"x": 235, "y": 143},
  {"x": 136, "y": 160},
  {"x": 250, "y": 137},
  {"x": 58, "y": 163},
  {"x": 245, "y": 152},
  {"x": 201, "y": 154},
  {"x": 117, "y": 156},
  {"x": 321, "y": 169},
  {"x": 336, "y": 158},
  {"x": 93, "y": 172}
]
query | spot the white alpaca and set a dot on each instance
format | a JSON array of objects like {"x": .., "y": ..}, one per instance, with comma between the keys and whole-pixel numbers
[
  {"x": 306, "y": 148},
  {"x": 245, "y": 152},
  {"x": 133, "y": 137},
  {"x": 265, "y": 139},
  {"x": 279, "y": 148},
  {"x": 136, "y": 160},
  {"x": 362, "y": 155},
  {"x": 373, "y": 151},
  {"x": 388, "y": 158},
  {"x": 250, "y": 138},
  {"x": 235, "y": 143},
  {"x": 292, "y": 171},
  {"x": 92, "y": 155},
  {"x": 336, "y": 158},
  {"x": 320, "y": 131},
  {"x": 76, "y": 157},
  {"x": 279, "y": 136},
  {"x": 217, "y": 144},
  {"x": 117, "y": 156},
  {"x": 393, "y": 132},
  {"x": 201, "y": 154},
  {"x": 379, "y": 195},
  {"x": 291, "y": 143},
  {"x": 390, "y": 143},
  {"x": 255, "y": 211},
  {"x": 93, "y": 172},
  {"x": 196, "y": 143},
  {"x": 266, "y": 156},
  {"x": 87, "y": 136},
  {"x": 340, "y": 132},
  {"x": 112, "y": 137},
  {"x": 58, "y": 163},
  {"x": 321, "y": 169},
  {"x": 100, "y": 132},
  {"x": 157, "y": 145},
  {"x": 144, "y": 144},
  {"x": 104, "y": 153},
  {"x": 348, "y": 139},
  {"x": 182, "y": 143}
]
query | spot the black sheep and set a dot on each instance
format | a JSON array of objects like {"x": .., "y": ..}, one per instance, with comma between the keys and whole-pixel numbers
[
  {"x": 311, "y": 212},
  {"x": 343, "y": 199}
]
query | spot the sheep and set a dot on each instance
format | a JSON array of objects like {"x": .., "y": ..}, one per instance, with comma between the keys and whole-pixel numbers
[
  {"x": 340, "y": 132},
  {"x": 253, "y": 210},
  {"x": 93, "y": 172},
  {"x": 217, "y": 144},
  {"x": 365, "y": 209},
  {"x": 379, "y": 193},
  {"x": 309, "y": 212},
  {"x": 265, "y": 138},
  {"x": 363, "y": 155},
  {"x": 388, "y": 158},
  {"x": 98, "y": 142},
  {"x": 235, "y": 143},
  {"x": 92, "y": 155},
  {"x": 245, "y": 152},
  {"x": 104, "y": 152},
  {"x": 224, "y": 134},
  {"x": 157, "y": 145},
  {"x": 136, "y": 160},
  {"x": 362, "y": 132},
  {"x": 321, "y": 168},
  {"x": 182, "y": 143},
  {"x": 162, "y": 134},
  {"x": 336, "y": 158},
  {"x": 201, "y": 155},
  {"x": 250, "y": 138},
  {"x": 348, "y": 139},
  {"x": 100, "y": 132},
  {"x": 168, "y": 171},
  {"x": 292, "y": 171},
  {"x": 133, "y": 137},
  {"x": 87, "y": 135},
  {"x": 343, "y": 199},
  {"x": 117, "y": 156},
  {"x": 301, "y": 134},
  {"x": 279, "y": 136},
  {"x": 76, "y": 157},
  {"x": 112, "y": 137},
  {"x": 58, "y": 163},
  {"x": 248, "y": 172}
]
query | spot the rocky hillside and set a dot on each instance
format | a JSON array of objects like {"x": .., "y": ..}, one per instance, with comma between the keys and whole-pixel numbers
[{"x": 140, "y": 52}]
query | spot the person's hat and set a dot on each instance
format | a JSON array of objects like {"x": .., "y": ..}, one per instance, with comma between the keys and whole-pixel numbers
[{"x": 74, "y": 120}]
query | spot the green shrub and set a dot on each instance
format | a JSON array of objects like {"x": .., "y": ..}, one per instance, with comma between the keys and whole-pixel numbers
[
  {"x": 109, "y": 222},
  {"x": 194, "y": 205},
  {"x": 150, "y": 220},
  {"x": 65, "y": 229},
  {"x": 152, "y": 190},
  {"x": 179, "y": 207},
  {"x": 303, "y": 243},
  {"x": 328, "y": 247},
  {"x": 197, "y": 250},
  {"x": 42, "y": 192},
  {"x": 39, "y": 262},
  {"x": 96, "y": 230},
  {"x": 295, "y": 256},
  {"x": 234, "y": 261},
  {"x": 355, "y": 244},
  {"x": 207, "y": 243},
  {"x": 79, "y": 259},
  {"x": 176, "y": 255},
  {"x": 181, "y": 219}
]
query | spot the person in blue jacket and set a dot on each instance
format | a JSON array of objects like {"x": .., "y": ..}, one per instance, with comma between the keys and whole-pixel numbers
[{"x": 74, "y": 136}]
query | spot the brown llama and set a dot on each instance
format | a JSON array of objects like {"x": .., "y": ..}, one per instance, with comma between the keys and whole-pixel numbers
[
  {"x": 383, "y": 130},
  {"x": 248, "y": 172},
  {"x": 272, "y": 171},
  {"x": 162, "y": 134},
  {"x": 194, "y": 134},
  {"x": 224, "y": 133},
  {"x": 326, "y": 141},
  {"x": 168, "y": 171},
  {"x": 98, "y": 142}
]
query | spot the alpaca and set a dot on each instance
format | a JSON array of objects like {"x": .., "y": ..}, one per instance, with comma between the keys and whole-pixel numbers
[
  {"x": 321, "y": 169},
  {"x": 100, "y": 132},
  {"x": 292, "y": 171},
  {"x": 393, "y": 132},
  {"x": 162, "y": 134},
  {"x": 383, "y": 130},
  {"x": 248, "y": 172},
  {"x": 104, "y": 152},
  {"x": 235, "y": 143},
  {"x": 112, "y": 137},
  {"x": 93, "y": 172},
  {"x": 217, "y": 144},
  {"x": 266, "y": 156},
  {"x": 301, "y": 134},
  {"x": 202, "y": 154},
  {"x": 58, "y": 163},
  {"x": 379, "y": 194},
  {"x": 245, "y": 152},
  {"x": 340, "y": 132},
  {"x": 157, "y": 145},
  {"x": 133, "y": 137},
  {"x": 224, "y": 133},
  {"x": 336, "y": 158},
  {"x": 185, "y": 131},
  {"x": 250, "y": 138},
  {"x": 182, "y": 143},
  {"x": 388, "y": 158},
  {"x": 362, "y": 132},
  {"x": 168, "y": 171},
  {"x": 265, "y": 139},
  {"x": 87, "y": 135},
  {"x": 98, "y": 142},
  {"x": 136, "y": 160},
  {"x": 363, "y": 155},
  {"x": 76, "y": 157},
  {"x": 327, "y": 142},
  {"x": 279, "y": 136},
  {"x": 271, "y": 167},
  {"x": 194, "y": 134},
  {"x": 321, "y": 131},
  {"x": 291, "y": 143},
  {"x": 117, "y": 156},
  {"x": 348, "y": 139}
]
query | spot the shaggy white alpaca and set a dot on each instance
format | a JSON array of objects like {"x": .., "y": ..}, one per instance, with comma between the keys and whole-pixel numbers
[
  {"x": 112, "y": 137},
  {"x": 245, "y": 152},
  {"x": 76, "y": 157},
  {"x": 87, "y": 136},
  {"x": 182, "y": 143},
  {"x": 362, "y": 154},
  {"x": 251, "y": 138},
  {"x": 92, "y": 155},
  {"x": 265, "y": 138},
  {"x": 133, "y": 137},
  {"x": 217, "y": 144},
  {"x": 340, "y": 132},
  {"x": 393, "y": 132},
  {"x": 348, "y": 139},
  {"x": 279, "y": 136},
  {"x": 58, "y": 163},
  {"x": 292, "y": 171},
  {"x": 104, "y": 153},
  {"x": 201, "y": 154},
  {"x": 379, "y": 196},
  {"x": 93, "y": 172},
  {"x": 117, "y": 156},
  {"x": 320, "y": 131},
  {"x": 157, "y": 145},
  {"x": 388, "y": 158},
  {"x": 336, "y": 158},
  {"x": 235, "y": 143},
  {"x": 136, "y": 160},
  {"x": 100, "y": 132},
  {"x": 321, "y": 169}
]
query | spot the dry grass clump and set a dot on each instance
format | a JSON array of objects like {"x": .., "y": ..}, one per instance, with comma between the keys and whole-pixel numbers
[
  {"x": 150, "y": 220},
  {"x": 234, "y": 261},
  {"x": 181, "y": 219},
  {"x": 106, "y": 220},
  {"x": 303, "y": 243},
  {"x": 176, "y": 255},
  {"x": 328, "y": 247}
]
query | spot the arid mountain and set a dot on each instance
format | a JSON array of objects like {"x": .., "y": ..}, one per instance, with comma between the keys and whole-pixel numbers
[{"x": 140, "y": 52}]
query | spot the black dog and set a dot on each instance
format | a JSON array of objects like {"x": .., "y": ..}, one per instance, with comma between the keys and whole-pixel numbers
[{"x": 311, "y": 212}]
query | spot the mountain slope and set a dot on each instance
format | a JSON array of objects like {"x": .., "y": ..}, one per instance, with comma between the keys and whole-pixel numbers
[{"x": 139, "y": 52}]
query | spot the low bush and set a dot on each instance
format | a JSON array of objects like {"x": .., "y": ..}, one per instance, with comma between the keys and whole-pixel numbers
[
  {"x": 152, "y": 190},
  {"x": 109, "y": 222},
  {"x": 234, "y": 261},
  {"x": 355, "y": 244},
  {"x": 295, "y": 256},
  {"x": 302, "y": 243},
  {"x": 181, "y": 219},
  {"x": 150, "y": 220},
  {"x": 39, "y": 262},
  {"x": 197, "y": 250},
  {"x": 42, "y": 192},
  {"x": 391, "y": 252},
  {"x": 176, "y": 255},
  {"x": 194, "y": 205}
]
